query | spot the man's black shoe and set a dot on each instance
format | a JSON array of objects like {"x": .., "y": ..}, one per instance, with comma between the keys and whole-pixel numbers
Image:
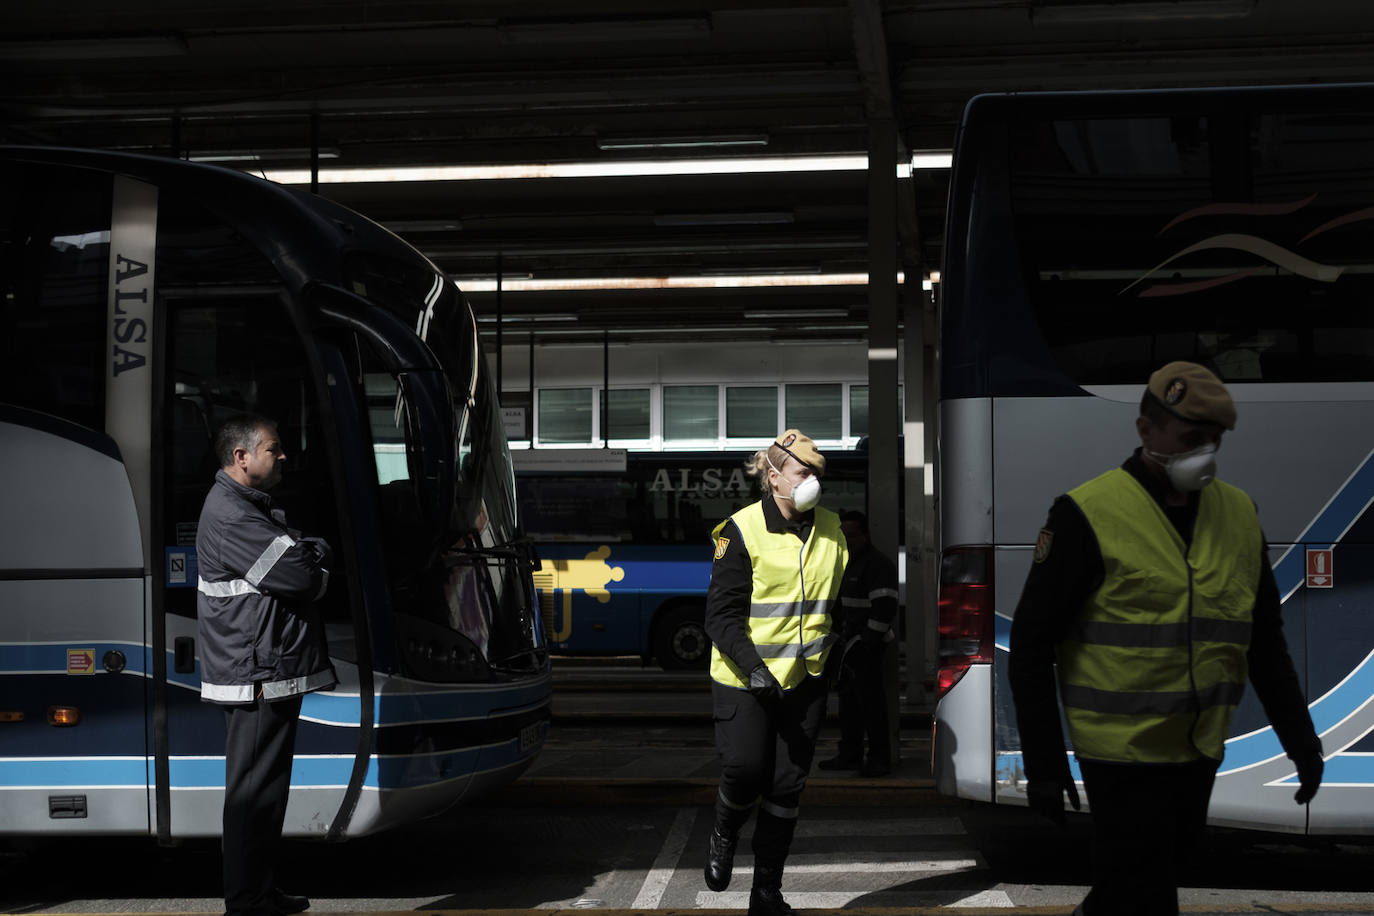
[
  {"x": 286, "y": 904},
  {"x": 841, "y": 762},
  {"x": 720, "y": 860},
  {"x": 874, "y": 768}
]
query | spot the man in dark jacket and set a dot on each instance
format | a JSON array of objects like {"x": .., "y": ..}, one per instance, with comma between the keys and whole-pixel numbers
[
  {"x": 1151, "y": 595},
  {"x": 261, "y": 651},
  {"x": 868, "y": 606}
]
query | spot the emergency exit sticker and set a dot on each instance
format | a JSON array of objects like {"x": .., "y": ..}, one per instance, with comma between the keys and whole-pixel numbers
[
  {"x": 1319, "y": 568},
  {"x": 81, "y": 661}
]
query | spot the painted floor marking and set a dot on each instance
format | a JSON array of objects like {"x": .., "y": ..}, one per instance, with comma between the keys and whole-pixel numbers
[{"x": 661, "y": 872}]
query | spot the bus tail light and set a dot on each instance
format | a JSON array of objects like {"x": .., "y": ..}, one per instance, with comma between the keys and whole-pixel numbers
[
  {"x": 64, "y": 716},
  {"x": 966, "y": 621}
]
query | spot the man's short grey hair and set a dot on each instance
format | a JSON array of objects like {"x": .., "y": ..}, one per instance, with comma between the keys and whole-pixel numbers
[{"x": 242, "y": 430}]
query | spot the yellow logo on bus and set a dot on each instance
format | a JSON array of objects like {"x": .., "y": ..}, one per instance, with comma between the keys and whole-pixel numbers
[{"x": 591, "y": 574}]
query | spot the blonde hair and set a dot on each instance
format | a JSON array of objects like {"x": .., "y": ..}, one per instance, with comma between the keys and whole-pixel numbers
[{"x": 757, "y": 465}]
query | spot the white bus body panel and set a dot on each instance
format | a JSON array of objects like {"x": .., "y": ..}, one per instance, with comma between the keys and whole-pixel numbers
[
  {"x": 1295, "y": 450},
  {"x": 68, "y": 508}
]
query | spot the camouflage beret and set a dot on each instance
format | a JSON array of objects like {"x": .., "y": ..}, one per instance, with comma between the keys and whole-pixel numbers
[
  {"x": 1193, "y": 393},
  {"x": 800, "y": 447}
]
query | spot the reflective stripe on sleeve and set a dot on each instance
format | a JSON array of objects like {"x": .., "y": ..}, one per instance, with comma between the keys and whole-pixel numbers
[
  {"x": 227, "y": 589},
  {"x": 290, "y": 687},
  {"x": 882, "y": 593},
  {"x": 856, "y": 603},
  {"x": 227, "y": 693},
  {"x": 269, "y": 558}
]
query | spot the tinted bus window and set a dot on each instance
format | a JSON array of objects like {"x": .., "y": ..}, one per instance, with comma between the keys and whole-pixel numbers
[
  {"x": 54, "y": 276},
  {"x": 1137, "y": 245}
]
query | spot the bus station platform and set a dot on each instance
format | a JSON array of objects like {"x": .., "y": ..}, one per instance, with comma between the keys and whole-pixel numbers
[{"x": 622, "y": 731}]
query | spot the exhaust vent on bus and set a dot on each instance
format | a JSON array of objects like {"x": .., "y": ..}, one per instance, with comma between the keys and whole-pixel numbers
[{"x": 966, "y": 623}]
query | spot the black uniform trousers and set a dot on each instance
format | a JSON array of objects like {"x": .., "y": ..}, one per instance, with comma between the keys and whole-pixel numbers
[
  {"x": 258, "y": 750},
  {"x": 1147, "y": 819},
  {"x": 766, "y": 747}
]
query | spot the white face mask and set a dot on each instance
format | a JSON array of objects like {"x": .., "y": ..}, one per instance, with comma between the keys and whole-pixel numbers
[
  {"x": 1189, "y": 471},
  {"x": 805, "y": 495}
]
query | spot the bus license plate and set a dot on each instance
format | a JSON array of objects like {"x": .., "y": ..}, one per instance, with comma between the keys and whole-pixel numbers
[{"x": 531, "y": 736}]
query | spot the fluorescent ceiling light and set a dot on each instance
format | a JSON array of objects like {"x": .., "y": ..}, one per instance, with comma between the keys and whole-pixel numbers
[
  {"x": 626, "y": 169},
  {"x": 772, "y": 218},
  {"x": 227, "y": 155},
  {"x": 682, "y": 142},
  {"x": 94, "y": 48},
  {"x": 534, "y": 317},
  {"x": 743, "y": 165},
  {"x": 1144, "y": 11},
  {"x": 737, "y": 281}
]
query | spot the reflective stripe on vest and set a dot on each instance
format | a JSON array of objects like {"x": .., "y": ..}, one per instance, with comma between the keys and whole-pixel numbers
[
  {"x": 1152, "y": 670},
  {"x": 796, "y": 587}
]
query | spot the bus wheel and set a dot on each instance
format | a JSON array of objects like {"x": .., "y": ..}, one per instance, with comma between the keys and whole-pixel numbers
[{"x": 681, "y": 641}]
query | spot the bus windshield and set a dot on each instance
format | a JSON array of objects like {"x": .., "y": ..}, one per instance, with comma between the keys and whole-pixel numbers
[{"x": 464, "y": 568}]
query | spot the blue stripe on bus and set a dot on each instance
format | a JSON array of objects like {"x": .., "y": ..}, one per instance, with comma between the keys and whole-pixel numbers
[
  {"x": 1342, "y": 769},
  {"x": 52, "y": 657},
  {"x": 326, "y": 707},
  {"x": 404, "y": 772}
]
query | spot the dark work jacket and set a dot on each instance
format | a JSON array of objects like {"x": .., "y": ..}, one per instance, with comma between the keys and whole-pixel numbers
[
  {"x": 259, "y": 628},
  {"x": 868, "y": 596},
  {"x": 1053, "y": 596},
  {"x": 732, "y": 585}
]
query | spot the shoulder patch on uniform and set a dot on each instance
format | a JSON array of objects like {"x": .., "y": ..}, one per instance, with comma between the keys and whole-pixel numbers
[
  {"x": 721, "y": 544},
  {"x": 1043, "y": 544}
]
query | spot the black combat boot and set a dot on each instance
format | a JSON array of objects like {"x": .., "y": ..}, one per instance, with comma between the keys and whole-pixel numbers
[
  {"x": 720, "y": 847},
  {"x": 765, "y": 897},
  {"x": 772, "y": 842}
]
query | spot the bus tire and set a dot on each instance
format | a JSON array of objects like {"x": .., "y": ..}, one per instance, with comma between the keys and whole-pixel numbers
[{"x": 680, "y": 641}]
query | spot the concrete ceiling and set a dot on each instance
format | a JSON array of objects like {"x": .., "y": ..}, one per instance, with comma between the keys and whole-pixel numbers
[{"x": 423, "y": 82}]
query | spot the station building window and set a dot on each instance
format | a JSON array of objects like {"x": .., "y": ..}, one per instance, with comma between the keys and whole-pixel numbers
[
  {"x": 858, "y": 411},
  {"x": 751, "y": 412},
  {"x": 565, "y": 415},
  {"x": 691, "y": 412},
  {"x": 629, "y": 413}
]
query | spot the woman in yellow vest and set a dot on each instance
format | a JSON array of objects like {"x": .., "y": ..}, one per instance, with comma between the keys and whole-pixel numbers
[
  {"x": 775, "y": 581},
  {"x": 1151, "y": 597}
]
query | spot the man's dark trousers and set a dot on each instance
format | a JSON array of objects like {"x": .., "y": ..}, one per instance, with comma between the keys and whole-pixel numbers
[
  {"x": 863, "y": 705},
  {"x": 258, "y": 750},
  {"x": 1147, "y": 819}
]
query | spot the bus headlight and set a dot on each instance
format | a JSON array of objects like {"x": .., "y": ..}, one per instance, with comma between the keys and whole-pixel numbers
[{"x": 430, "y": 652}]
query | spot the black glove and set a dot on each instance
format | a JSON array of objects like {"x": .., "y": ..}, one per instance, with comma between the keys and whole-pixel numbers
[
  {"x": 1047, "y": 797},
  {"x": 317, "y": 549},
  {"x": 873, "y": 639},
  {"x": 763, "y": 685},
  {"x": 1310, "y": 766}
]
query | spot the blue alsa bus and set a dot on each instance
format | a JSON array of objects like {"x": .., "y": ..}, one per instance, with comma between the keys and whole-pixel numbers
[
  {"x": 145, "y": 300},
  {"x": 624, "y": 546},
  {"x": 1093, "y": 237}
]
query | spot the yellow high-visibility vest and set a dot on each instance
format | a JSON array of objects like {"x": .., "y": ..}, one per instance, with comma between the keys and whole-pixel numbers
[
  {"x": 796, "y": 586},
  {"x": 1156, "y": 662}
]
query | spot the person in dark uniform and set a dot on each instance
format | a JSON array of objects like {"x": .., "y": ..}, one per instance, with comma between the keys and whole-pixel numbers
[
  {"x": 775, "y": 582},
  {"x": 868, "y": 600},
  {"x": 1151, "y": 590},
  {"x": 261, "y": 651}
]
